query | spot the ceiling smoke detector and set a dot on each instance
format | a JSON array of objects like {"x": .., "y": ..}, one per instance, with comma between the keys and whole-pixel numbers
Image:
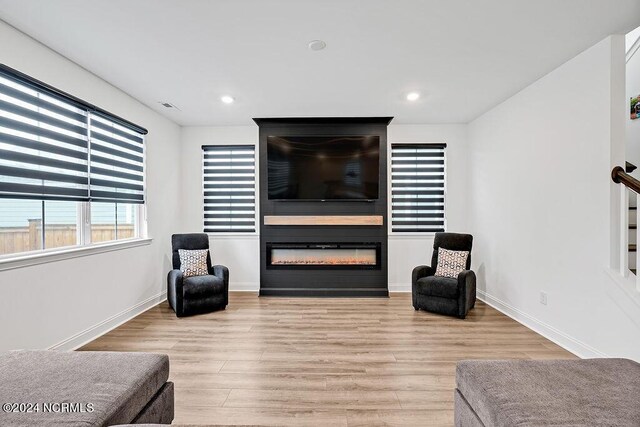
[
  {"x": 227, "y": 99},
  {"x": 317, "y": 45}
]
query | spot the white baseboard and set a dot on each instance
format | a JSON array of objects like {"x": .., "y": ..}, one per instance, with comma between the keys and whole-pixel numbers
[
  {"x": 565, "y": 341},
  {"x": 244, "y": 287},
  {"x": 399, "y": 287},
  {"x": 90, "y": 334}
]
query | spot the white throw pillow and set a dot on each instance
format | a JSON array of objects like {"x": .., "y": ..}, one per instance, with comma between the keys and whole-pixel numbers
[
  {"x": 193, "y": 262},
  {"x": 451, "y": 263}
]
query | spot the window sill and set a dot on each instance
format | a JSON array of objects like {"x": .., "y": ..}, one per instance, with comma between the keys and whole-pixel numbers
[
  {"x": 54, "y": 255},
  {"x": 412, "y": 235}
]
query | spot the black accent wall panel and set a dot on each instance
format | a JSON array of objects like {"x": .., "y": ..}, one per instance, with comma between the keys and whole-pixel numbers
[{"x": 322, "y": 281}]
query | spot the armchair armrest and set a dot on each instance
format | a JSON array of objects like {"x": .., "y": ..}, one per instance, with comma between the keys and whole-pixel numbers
[
  {"x": 222, "y": 272},
  {"x": 467, "y": 286},
  {"x": 418, "y": 273},
  {"x": 422, "y": 271},
  {"x": 174, "y": 290}
]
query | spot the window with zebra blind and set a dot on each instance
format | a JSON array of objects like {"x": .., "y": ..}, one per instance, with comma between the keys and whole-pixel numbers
[
  {"x": 417, "y": 187},
  {"x": 65, "y": 165},
  {"x": 229, "y": 188}
]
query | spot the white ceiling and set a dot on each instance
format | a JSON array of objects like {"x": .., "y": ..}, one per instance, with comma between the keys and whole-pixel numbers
[{"x": 463, "y": 56}]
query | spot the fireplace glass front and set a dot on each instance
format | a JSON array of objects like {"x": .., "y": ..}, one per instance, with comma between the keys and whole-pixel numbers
[{"x": 334, "y": 255}]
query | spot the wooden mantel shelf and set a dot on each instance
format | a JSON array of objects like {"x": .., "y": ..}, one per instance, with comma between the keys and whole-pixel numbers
[{"x": 323, "y": 220}]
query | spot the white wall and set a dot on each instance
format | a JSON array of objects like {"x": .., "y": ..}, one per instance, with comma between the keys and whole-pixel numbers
[
  {"x": 241, "y": 253},
  {"x": 42, "y": 306},
  {"x": 540, "y": 167},
  {"x": 407, "y": 251}
]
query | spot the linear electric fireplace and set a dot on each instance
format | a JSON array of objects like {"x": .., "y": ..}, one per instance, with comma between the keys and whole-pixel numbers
[{"x": 324, "y": 255}]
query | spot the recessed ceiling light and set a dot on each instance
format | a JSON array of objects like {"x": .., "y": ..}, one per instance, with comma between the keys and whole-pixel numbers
[
  {"x": 317, "y": 45},
  {"x": 227, "y": 99},
  {"x": 413, "y": 96}
]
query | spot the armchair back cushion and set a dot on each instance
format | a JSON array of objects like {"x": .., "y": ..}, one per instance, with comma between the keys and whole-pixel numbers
[
  {"x": 452, "y": 242},
  {"x": 190, "y": 241}
]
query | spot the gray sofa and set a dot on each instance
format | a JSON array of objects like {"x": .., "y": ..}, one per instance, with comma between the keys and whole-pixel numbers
[
  {"x": 84, "y": 388},
  {"x": 590, "y": 392}
]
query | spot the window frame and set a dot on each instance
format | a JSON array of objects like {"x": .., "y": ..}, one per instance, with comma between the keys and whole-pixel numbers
[
  {"x": 83, "y": 231},
  {"x": 256, "y": 191},
  {"x": 140, "y": 227},
  {"x": 83, "y": 224},
  {"x": 414, "y": 234}
]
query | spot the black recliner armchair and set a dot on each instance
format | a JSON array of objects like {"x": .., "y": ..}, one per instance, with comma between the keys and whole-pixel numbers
[
  {"x": 444, "y": 295},
  {"x": 196, "y": 294}
]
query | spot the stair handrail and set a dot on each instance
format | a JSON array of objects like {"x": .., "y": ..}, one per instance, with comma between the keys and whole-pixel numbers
[{"x": 619, "y": 176}]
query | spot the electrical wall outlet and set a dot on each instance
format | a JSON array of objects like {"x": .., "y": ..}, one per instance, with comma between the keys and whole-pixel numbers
[{"x": 543, "y": 298}]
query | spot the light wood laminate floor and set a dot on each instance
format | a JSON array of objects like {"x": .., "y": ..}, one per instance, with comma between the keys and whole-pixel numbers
[{"x": 322, "y": 362}]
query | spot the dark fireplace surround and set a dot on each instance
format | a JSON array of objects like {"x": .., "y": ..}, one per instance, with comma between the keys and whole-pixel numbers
[{"x": 323, "y": 260}]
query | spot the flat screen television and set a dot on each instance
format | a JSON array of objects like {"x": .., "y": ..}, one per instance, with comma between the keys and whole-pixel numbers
[{"x": 323, "y": 167}]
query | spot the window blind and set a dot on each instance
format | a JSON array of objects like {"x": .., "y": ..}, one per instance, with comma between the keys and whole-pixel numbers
[
  {"x": 43, "y": 144},
  {"x": 417, "y": 187},
  {"x": 116, "y": 162},
  {"x": 55, "y": 146},
  {"x": 229, "y": 187}
]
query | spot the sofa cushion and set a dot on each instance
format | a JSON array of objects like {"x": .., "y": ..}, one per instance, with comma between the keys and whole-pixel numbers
[
  {"x": 198, "y": 286},
  {"x": 118, "y": 385},
  {"x": 591, "y": 392},
  {"x": 443, "y": 287}
]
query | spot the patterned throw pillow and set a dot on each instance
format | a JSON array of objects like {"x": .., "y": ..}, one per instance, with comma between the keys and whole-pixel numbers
[
  {"x": 193, "y": 263},
  {"x": 451, "y": 263}
]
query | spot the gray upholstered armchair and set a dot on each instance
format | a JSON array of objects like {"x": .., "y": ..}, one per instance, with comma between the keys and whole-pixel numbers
[
  {"x": 444, "y": 295},
  {"x": 196, "y": 294}
]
